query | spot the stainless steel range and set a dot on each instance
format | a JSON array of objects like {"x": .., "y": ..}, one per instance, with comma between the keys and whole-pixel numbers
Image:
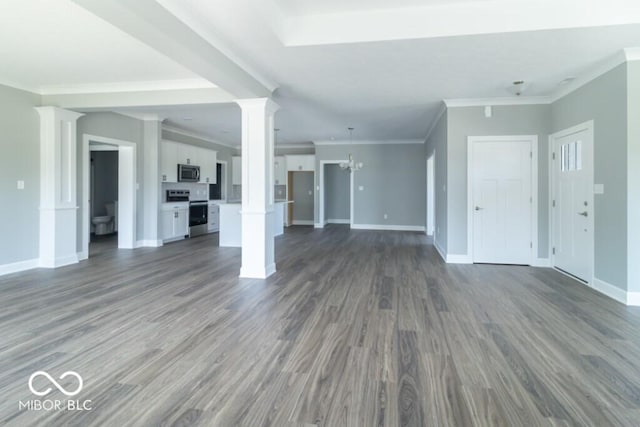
[{"x": 198, "y": 217}]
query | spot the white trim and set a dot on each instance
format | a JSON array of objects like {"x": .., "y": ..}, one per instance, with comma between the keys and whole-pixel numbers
[
  {"x": 440, "y": 250},
  {"x": 317, "y": 225},
  {"x": 152, "y": 85},
  {"x": 386, "y": 142},
  {"x": 608, "y": 289},
  {"x": 284, "y": 146},
  {"x": 322, "y": 222},
  {"x": 83, "y": 255},
  {"x": 459, "y": 259},
  {"x": 633, "y": 299},
  {"x": 388, "y": 227},
  {"x": 61, "y": 261},
  {"x": 16, "y": 267},
  {"x": 302, "y": 222},
  {"x": 632, "y": 53},
  {"x": 541, "y": 262},
  {"x": 102, "y": 147},
  {"x": 498, "y": 101},
  {"x": 589, "y": 127},
  {"x": 533, "y": 141},
  {"x": 260, "y": 273},
  {"x": 337, "y": 221},
  {"x": 125, "y": 240},
  {"x": 434, "y": 122},
  {"x": 148, "y": 243},
  {"x": 191, "y": 134}
]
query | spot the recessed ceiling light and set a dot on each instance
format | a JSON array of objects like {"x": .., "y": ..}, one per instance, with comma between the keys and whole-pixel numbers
[{"x": 517, "y": 87}]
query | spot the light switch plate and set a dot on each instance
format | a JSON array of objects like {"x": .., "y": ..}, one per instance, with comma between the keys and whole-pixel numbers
[
  {"x": 598, "y": 188},
  {"x": 361, "y": 187},
  {"x": 20, "y": 185}
]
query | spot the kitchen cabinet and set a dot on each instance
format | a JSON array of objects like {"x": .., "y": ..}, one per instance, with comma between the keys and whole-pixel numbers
[
  {"x": 207, "y": 161},
  {"x": 236, "y": 170},
  {"x": 173, "y": 153},
  {"x": 301, "y": 163},
  {"x": 175, "y": 222},
  {"x": 168, "y": 161},
  {"x": 214, "y": 217},
  {"x": 280, "y": 170}
]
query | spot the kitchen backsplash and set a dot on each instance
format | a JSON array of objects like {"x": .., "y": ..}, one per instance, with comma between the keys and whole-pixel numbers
[{"x": 197, "y": 191}]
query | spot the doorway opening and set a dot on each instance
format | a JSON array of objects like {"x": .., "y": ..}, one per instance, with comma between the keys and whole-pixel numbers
[
  {"x": 300, "y": 192},
  {"x": 431, "y": 196},
  {"x": 336, "y": 194},
  {"x": 103, "y": 195},
  {"x": 122, "y": 225},
  {"x": 218, "y": 191}
]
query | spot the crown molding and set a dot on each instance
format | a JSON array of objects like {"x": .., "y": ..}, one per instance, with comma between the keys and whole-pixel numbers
[
  {"x": 386, "y": 142},
  {"x": 632, "y": 53},
  {"x": 284, "y": 146},
  {"x": 19, "y": 86},
  {"x": 195, "y": 135},
  {"x": 482, "y": 102},
  {"x": 145, "y": 117},
  {"x": 434, "y": 122}
]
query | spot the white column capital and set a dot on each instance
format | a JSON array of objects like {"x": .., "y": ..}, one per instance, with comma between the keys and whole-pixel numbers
[
  {"x": 268, "y": 104},
  {"x": 52, "y": 111}
]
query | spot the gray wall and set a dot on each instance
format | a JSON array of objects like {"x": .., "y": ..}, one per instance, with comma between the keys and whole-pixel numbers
[
  {"x": 506, "y": 120},
  {"x": 224, "y": 153},
  {"x": 604, "y": 100},
  {"x": 393, "y": 179},
  {"x": 337, "y": 189},
  {"x": 116, "y": 126},
  {"x": 437, "y": 142},
  {"x": 20, "y": 160},
  {"x": 302, "y": 200},
  {"x": 633, "y": 168},
  {"x": 105, "y": 180}
]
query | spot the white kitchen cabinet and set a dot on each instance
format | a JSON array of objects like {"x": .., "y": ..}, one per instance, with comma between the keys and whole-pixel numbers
[
  {"x": 236, "y": 170},
  {"x": 208, "y": 164},
  {"x": 280, "y": 170},
  {"x": 305, "y": 162},
  {"x": 188, "y": 154},
  {"x": 214, "y": 218},
  {"x": 168, "y": 161},
  {"x": 175, "y": 222}
]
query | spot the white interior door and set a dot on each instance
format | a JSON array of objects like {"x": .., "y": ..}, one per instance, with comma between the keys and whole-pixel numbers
[
  {"x": 501, "y": 201},
  {"x": 572, "y": 204}
]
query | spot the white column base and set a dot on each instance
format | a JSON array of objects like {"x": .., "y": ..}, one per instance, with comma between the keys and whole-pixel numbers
[
  {"x": 56, "y": 250},
  {"x": 258, "y": 247}
]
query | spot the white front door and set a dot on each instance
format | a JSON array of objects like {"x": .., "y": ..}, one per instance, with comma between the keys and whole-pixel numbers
[
  {"x": 501, "y": 201},
  {"x": 572, "y": 202}
]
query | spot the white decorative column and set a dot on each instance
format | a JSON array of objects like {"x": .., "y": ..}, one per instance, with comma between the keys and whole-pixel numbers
[
  {"x": 258, "y": 248},
  {"x": 58, "y": 187}
]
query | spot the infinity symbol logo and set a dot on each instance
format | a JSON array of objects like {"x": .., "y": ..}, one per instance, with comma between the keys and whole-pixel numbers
[{"x": 58, "y": 386}]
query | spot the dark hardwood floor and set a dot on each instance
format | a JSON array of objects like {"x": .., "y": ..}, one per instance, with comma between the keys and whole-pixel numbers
[{"x": 357, "y": 328}]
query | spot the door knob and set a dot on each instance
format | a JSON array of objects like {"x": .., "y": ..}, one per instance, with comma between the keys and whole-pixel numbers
[
  {"x": 585, "y": 214},
  {"x": 478, "y": 208}
]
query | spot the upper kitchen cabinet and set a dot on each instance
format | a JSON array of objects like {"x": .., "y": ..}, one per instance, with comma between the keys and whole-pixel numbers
[
  {"x": 301, "y": 162},
  {"x": 280, "y": 170},
  {"x": 168, "y": 161},
  {"x": 236, "y": 170},
  {"x": 172, "y": 154}
]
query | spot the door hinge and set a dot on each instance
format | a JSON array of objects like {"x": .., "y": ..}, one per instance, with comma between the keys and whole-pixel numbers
[
  {"x": 553, "y": 156},
  {"x": 553, "y": 204},
  {"x": 531, "y": 245},
  {"x": 531, "y": 154},
  {"x": 553, "y": 251}
]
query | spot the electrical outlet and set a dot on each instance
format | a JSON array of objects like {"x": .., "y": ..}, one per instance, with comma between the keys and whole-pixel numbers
[
  {"x": 361, "y": 187},
  {"x": 386, "y": 216},
  {"x": 20, "y": 185}
]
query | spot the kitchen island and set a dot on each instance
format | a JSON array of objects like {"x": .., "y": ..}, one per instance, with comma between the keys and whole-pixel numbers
[{"x": 231, "y": 222}]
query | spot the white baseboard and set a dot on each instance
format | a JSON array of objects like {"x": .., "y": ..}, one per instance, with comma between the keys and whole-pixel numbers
[
  {"x": 541, "y": 262},
  {"x": 440, "y": 250},
  {"x": 83, "y": 255},
  {"x": 148, "y": 243},
  {"x": 257, "y": 273},
  {"x": 302, "y": 222},
  {"x": 338, "y": 221},
  {"x": 459, "y": 259},
  {"x": 388, "y": 227},
  {"x": 16, "y": 267},
  {"x": 318, "y": 225},
  {"x": 59, "y": 262},
  {"x": 609, "y": 290}
]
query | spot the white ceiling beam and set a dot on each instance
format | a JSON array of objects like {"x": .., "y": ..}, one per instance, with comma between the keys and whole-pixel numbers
[
  {"x": 103, "y": 100},
  {"x": 152, "y": 24}
]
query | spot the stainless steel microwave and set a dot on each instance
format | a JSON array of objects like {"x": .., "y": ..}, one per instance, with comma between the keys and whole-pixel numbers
[{"x": 188, "y": 173}]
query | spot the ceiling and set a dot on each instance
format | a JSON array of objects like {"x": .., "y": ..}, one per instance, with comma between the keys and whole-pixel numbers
[{"x": 388, "y": 86}]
